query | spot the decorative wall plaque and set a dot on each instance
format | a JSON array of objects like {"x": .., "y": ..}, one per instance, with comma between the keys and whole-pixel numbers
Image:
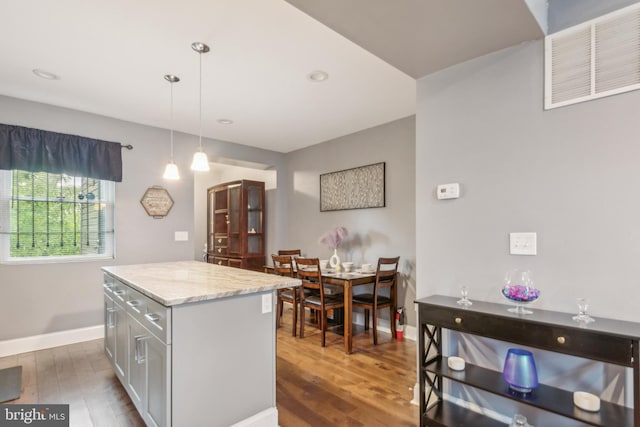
[
  {"x": 356, "y": 188},
  {"x": 156, "y": 201}
]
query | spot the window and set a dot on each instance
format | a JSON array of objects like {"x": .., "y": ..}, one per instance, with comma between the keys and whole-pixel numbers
[{"x": 48, "y": 216}]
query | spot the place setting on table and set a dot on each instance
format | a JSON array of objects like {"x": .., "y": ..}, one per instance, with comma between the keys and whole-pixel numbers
[{"x": 347, "y": 271}]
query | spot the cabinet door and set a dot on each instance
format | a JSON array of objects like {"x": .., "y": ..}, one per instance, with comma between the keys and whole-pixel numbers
[
  {"x": 211, "y": 219},
  {"x": 136, "y": 380},
  {"x": 235, "y": 217},
  {"x": 120, "y": 360},
  {"x": 255, "y": 219},
  {"x": 158, "y": 383},
  {"x": 109, "y": 329}
]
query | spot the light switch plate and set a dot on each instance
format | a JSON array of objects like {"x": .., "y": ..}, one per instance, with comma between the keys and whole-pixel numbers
[
  {"x": 181, "y": 236},
  {"x": 523, "y": 244},
  {"x": 267, "y": 303}
]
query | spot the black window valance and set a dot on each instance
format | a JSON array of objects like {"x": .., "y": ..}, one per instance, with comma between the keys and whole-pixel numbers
[{"x": 36, "y": 150}]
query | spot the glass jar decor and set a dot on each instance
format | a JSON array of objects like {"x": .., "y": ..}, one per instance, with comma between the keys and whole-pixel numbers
[{"x": 519, "y": 289}]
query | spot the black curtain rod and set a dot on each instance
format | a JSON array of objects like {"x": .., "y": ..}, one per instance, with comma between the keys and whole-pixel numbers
[{"x": 128, "y": 146}]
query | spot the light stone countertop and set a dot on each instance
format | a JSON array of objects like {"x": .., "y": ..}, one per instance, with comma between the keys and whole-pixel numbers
[{"x": 173, "y": 283}]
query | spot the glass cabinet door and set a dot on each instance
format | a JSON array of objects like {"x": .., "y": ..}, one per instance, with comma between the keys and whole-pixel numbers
[
  {"x": 211, "y": 226},
  {"x": 255, "y": 237},
  {"x": 235, "y": 193}
]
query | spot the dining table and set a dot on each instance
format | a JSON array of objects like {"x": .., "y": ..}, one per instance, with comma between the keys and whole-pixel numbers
[{"x": 348, "y": 280}]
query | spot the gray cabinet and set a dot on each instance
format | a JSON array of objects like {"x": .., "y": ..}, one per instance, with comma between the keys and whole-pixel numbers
[
  {"x": 109, "y": 328},
  {"x": 158, "y": 361},
  {"x": 136, "y": 380},
  {"x": 204, "y": 363},
  {"x": 116, "y": 333},
  {"x": 147, "y": 383},
  {"x": 135, "y": 344}
]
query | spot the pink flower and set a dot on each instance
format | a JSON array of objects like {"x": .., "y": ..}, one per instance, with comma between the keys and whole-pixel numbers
[{"x": 334, "y": 238}]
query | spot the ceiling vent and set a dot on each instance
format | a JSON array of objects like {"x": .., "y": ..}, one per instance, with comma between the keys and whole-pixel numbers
[{"x": 598, "y": 58}]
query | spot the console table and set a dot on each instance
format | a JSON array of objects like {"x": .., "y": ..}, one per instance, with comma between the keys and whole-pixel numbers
[{"x": 605, "y": 340}]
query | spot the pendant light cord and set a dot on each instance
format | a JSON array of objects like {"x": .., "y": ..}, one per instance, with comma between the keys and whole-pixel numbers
[
  {"x": 171, "y": 122},
  {"x": 200, "y": 55}
]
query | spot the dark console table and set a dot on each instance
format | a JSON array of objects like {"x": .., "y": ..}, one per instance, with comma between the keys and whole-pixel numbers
[{"x": 605, "y": 340}]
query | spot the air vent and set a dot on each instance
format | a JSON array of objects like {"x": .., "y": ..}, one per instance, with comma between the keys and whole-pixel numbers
[{"x": 598, "y": 58}]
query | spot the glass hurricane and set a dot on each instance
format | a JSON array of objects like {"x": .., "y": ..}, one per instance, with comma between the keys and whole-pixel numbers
[{"x": 519, "y": 289}]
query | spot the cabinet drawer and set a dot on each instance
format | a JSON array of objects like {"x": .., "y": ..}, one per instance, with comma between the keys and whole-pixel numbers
[
  {"x": 603, "y": 347},
  {"x": 220, "y": 250},
  {"x": 107, "y": 283},
  {"x": 220, "y": 261},
  {"x": 220, "y": 241},
  {"x": 237, "y": 263},
  {"x": 119, "y": 292},
  {"x": 151, "y": 314}
]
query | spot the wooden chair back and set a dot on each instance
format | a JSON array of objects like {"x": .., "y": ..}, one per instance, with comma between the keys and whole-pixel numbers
[
  {"x": 386, "y": 273},
  {"x": 310, "y": 274},
  {"x": 290, "y": 252},
  {"x": 282, "y": 265}
]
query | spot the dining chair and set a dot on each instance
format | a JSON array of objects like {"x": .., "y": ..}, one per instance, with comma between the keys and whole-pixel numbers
[
  {"x": 386, "y": 277},
  {"x": 290, "y": 252},
  {"x": 293, "y": 253},
  {"x": 283, "y": 266},
  {"x": 320, "y": 302}
]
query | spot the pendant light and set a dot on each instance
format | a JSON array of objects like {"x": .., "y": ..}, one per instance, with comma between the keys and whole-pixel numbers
[
  {"x": 200, "y": 161},
  {"x": 171, "y": 171}
]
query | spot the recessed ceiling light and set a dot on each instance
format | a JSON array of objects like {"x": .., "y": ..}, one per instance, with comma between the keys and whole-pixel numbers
[
  {"x": 318, "y": 76},
  {"x": 225, "y": 121},
  {"x": 45, "y": 74}
]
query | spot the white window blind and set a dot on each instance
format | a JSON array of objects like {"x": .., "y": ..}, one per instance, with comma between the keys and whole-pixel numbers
[
  {"x": 598, "y": 58},
  {"x": 52, "y": 217}
]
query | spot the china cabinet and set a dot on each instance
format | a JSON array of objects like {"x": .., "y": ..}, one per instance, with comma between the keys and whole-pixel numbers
[
  {"x": 235, "y": 224},
  {"x": 605, "y": 340}
]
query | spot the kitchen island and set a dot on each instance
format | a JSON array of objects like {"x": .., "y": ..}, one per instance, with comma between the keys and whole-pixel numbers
[{"x": 194, "y": 343}]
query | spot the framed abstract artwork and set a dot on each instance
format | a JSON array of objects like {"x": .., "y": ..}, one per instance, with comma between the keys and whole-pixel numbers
[{"x": 356, "y": 188}]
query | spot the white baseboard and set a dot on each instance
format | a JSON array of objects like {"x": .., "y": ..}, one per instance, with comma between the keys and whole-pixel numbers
[
  {"x": 266, "y": 418},
  {"x": 55, "y": 339}
]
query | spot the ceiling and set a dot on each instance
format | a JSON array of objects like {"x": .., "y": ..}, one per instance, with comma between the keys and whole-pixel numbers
[{"x": 111, "y": 57}]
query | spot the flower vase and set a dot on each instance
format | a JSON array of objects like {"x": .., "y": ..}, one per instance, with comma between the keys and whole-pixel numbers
[{"x": 334, "y": 261}]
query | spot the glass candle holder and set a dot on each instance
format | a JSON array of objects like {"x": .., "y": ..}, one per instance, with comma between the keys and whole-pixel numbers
[
  {"x": 464, "y": 301},
  {"x": 520, "y": 371},
  {"x": 582, "y": 316}
]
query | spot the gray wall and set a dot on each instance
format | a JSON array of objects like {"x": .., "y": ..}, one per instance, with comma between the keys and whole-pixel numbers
[
  {"x": 569, "y": 174},
  {"x": 567, "y": 13},
  {"x": 388, "y": 231},
  {"x": 44, "y": 298}
]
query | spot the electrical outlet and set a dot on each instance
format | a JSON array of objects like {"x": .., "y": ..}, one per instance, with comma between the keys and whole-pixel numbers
[{"x": 267, "y": 303}]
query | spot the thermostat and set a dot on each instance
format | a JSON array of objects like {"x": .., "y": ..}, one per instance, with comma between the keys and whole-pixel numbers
[{"x": 448, "y": 191}]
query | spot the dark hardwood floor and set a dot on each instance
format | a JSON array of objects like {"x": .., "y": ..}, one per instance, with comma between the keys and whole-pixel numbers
[
  {"x": 318, "y": 386},
  {"x": 80, "y": 375},
  {"x": 315, "y": 386}
]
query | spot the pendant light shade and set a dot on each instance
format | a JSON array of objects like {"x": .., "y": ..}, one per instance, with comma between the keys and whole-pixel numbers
[
  {"x": 171, "y": 170},
  {"x": 200, "y": 161}
]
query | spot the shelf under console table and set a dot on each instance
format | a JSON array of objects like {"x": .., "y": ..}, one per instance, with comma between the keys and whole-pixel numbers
[{"x": 605, "y": 340}]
